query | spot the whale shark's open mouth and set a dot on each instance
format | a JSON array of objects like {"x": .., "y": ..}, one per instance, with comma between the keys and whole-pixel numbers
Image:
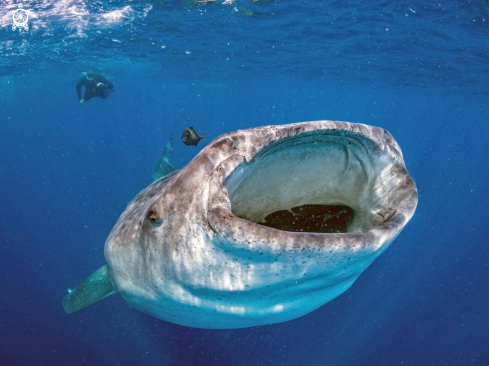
[{"x": 321, "y": 182}]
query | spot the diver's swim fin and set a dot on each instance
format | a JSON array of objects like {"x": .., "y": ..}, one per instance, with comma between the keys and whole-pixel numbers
[{"x": 93, "y": 288}]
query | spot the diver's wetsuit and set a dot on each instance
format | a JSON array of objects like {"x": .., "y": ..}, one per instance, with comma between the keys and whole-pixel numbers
[{"x": 91, "y": 88}]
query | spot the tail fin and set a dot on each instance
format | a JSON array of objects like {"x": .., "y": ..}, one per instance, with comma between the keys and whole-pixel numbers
[{"x": 93, "y": 288}]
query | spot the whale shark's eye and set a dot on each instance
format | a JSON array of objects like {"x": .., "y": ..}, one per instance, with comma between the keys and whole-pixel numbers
[{"x": 154, "y": 217}]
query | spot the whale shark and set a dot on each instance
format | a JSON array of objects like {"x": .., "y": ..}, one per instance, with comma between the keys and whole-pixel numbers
[{"x": 263, "y": 226}]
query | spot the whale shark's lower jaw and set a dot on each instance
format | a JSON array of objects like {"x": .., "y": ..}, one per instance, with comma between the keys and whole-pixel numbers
[{"x": 278, "y": 221}]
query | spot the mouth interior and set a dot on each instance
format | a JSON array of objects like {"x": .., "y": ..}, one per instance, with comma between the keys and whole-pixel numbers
[
  {"x": 320, "y": 183},
  {"x": 312, "y": 219}
]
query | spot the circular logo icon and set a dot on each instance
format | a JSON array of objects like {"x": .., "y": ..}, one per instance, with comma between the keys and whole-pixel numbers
[{"x": 20, "y": 18}]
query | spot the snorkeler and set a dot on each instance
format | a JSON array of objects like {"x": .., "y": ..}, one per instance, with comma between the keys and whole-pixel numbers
[{"x": 95, "y": 85}]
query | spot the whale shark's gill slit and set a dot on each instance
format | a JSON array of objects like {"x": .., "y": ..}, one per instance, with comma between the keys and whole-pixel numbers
[{"x": 312, "y": 219}]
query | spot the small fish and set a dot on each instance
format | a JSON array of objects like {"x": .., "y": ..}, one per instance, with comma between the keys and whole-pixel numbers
[{"x": 191, "y": 137}]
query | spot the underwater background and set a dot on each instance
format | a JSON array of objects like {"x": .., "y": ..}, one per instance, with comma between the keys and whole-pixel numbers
[{"x": 418, "y": 69}]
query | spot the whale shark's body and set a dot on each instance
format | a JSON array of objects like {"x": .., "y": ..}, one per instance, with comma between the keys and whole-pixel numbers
[{"x": 264, "y": 225}]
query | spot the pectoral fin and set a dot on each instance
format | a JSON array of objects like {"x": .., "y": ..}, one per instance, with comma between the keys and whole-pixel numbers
[{"x": 93, "y": 288}]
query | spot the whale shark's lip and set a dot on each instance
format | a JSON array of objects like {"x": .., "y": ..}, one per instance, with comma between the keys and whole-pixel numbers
[{"x": 375, "y": 141}]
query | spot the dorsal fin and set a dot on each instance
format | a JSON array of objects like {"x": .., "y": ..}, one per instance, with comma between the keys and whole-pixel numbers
[{"x": 165, "y": 165}]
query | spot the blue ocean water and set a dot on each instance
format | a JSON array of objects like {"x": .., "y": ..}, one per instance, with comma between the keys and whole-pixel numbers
[{"x": 418, "y": 69}]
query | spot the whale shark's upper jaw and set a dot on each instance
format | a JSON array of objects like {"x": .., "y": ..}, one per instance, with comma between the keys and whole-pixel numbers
[{"x": 263, "y": 225}]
